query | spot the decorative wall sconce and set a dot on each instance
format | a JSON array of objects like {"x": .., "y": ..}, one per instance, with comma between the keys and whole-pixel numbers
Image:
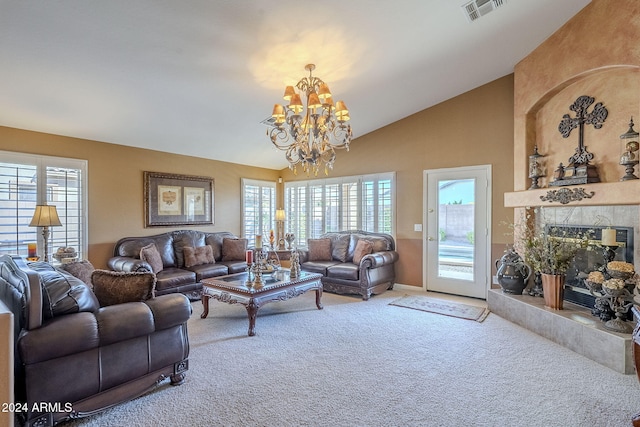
[
  {"x": 629, "y": 147},
  {"x": 535, "y": 168}
]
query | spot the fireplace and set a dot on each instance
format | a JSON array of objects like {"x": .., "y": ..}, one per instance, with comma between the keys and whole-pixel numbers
[{"x": 591, "y": 259}]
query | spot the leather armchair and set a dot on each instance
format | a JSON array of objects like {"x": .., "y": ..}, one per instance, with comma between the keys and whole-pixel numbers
[{"x": 77, "y": 358}]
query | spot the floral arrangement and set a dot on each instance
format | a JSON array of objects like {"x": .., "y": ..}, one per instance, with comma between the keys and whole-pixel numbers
[
  {"x": 614, "y": 284},
  {"x": 549, "y": 251},
  {"x": 621, "y": 266},
  {"x": 596, "y": 277}
]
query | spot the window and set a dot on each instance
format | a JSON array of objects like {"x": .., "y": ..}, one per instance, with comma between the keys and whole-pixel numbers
[
  {"x": 27, "y": 180},
  {"x": 258, "y": 209},
  {"x": 347, "y": 203}
]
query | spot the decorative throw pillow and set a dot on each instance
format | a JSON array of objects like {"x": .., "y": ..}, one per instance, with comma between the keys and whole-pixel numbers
[
  {"x": 80, "y": 269},
  {"x": 234, "y": 249},
  {"x": 117, "y": 287},
  {"x": 151, "y": 255},
  {"x": 340, "y": 247},
  {"x": 197, "y": 256},
  {"x": 363, "y": 247},
  {"x": 319, "y": 249}
]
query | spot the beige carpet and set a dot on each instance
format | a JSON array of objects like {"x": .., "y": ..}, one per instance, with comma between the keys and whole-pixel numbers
[
  {"x": 448, "y": 308},
  {"x": 367, "y": 363}
]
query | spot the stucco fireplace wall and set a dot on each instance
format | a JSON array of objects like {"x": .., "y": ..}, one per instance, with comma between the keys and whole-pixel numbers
[{"x": 596, "y": 53}]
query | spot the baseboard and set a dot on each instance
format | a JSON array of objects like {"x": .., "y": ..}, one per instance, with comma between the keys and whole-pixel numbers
[{"x": 401, "y": 287}]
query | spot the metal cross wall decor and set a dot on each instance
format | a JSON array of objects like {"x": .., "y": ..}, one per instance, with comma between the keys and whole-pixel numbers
[{"x": 596, "y": 117}]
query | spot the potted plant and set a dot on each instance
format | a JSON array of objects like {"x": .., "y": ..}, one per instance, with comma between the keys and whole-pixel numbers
[{"x": 550, "y": 251}]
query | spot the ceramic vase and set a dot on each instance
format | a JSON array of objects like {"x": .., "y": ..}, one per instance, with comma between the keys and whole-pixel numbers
[
  {"x": 512, "y": 273},
  {"x": 553, "y": 290}
]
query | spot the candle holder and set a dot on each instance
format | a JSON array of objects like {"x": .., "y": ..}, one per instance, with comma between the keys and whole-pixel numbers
[
  {"x": 535, "y": 168},
  {"x": 628, "y": 157}
]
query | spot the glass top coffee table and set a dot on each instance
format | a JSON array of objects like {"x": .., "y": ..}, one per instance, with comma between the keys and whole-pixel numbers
[{"x": 234, "y": 289}]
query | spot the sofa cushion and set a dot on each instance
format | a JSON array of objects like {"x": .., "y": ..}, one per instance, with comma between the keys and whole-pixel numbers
[
  {"x": 151, "y": 255},
  {"x": 215, "y": 240},
  {"x": 345, "y": 271},
  {"x": 130, "y": 247},
  {"x": 80, "y": 269},
  {"x": 198, "y": 255},
  {"x": 340, "y": 247},
  {"x": 318, "y": 266},
  {"x": 319, "y": 249},
  {"x": 172, "y": 277},
  {"x": 63, "y": 293},
  {"x": 363, "y": 247},
  {"x": 183, "y": 239},
  {"x": 234, "y": 249},
  {"x": 123, "y": 322},
  {"x": 204, "y": 271},
  {"x": 117, "y": 287}
]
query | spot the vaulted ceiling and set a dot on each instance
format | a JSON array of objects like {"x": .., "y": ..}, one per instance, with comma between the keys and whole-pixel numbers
[{"x": 197, "y": 77}]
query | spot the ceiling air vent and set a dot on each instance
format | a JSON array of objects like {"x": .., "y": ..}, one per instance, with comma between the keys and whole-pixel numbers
[
  {"x": 269, "y": 121},
  {"x": 477, "y": 8}
]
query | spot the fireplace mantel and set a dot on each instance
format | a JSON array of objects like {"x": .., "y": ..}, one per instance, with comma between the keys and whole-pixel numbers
[{"x": 605, "y": 193}]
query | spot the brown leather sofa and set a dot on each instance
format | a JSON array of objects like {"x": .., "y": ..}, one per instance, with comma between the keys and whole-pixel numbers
[
  {"x": 74, "y": 358},
  {"x": 373, "y": 274},
  {"x": 174, "y": 275}
]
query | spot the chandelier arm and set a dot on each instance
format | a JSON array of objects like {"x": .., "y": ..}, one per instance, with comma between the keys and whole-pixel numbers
[{"x": 280, "y": 138}]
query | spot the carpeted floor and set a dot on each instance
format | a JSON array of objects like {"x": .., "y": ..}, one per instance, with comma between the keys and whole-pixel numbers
[{"x": 368, "y": 363}]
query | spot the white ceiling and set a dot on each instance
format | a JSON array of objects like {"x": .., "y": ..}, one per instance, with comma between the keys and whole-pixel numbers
[{"x": 197, "y": 77}]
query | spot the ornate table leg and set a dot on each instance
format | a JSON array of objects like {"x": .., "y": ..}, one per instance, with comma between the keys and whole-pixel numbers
[
  {"x": 319, "y": 297},
  {"x": 205, "y": 306},
  {"x": 252, "y": 311}
]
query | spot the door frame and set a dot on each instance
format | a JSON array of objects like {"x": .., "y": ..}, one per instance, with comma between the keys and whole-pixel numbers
[{"x": 425, "y": 229}]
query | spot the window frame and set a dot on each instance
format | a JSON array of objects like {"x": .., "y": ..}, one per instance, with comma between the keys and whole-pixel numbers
[
  {"x": 345, "y": 194},
  {"x": 270, "y": 213},
  {"x": 41, "y": 164}
]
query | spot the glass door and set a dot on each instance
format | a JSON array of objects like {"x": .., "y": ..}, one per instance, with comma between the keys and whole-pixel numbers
[{"x": 457, "y": 236}]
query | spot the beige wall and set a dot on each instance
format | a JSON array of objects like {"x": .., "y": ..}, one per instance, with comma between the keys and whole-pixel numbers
[
  {"x": 116, "y": 206},
  {"x": 474, "y": 128},
  {"x": 471, "y": 129}
]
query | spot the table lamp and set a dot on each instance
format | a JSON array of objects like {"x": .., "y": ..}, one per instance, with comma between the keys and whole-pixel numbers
[{"x": 45, "y": 216}]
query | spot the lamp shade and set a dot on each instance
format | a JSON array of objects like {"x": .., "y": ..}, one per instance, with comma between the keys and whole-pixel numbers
[
  {"x": 45, "y": 216},
  {"x": 279, "y": 214}
]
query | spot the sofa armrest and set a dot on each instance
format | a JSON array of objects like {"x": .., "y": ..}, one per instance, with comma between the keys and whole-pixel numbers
[
  {"x": 169, "y": 310},
  {"x": 378, "y": 259},
  {"x": 304, "y": 255},
  {"x": 129, "y": 264}
]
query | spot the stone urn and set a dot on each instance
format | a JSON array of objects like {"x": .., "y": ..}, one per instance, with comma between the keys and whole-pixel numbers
[{"x": 513, "y": 273}]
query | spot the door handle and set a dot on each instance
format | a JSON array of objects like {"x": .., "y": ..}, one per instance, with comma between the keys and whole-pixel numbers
[{"x": 430, "y": 239}]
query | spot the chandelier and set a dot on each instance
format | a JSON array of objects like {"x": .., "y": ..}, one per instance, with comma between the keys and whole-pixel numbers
[{"x": 310, "y": 135}]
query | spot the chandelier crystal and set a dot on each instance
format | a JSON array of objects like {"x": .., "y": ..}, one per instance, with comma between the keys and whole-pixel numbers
[{"x": 310, "y": 134}]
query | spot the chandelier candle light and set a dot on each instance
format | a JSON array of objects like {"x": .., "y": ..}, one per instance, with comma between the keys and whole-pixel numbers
[{"x": 310, "y": 135}]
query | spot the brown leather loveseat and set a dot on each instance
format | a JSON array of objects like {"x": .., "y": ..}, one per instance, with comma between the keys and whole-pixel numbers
[
  {"x": 74, "y": 358},
  {"x": 174, "y": 272},
  {"x": 352, "y": 262}
]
